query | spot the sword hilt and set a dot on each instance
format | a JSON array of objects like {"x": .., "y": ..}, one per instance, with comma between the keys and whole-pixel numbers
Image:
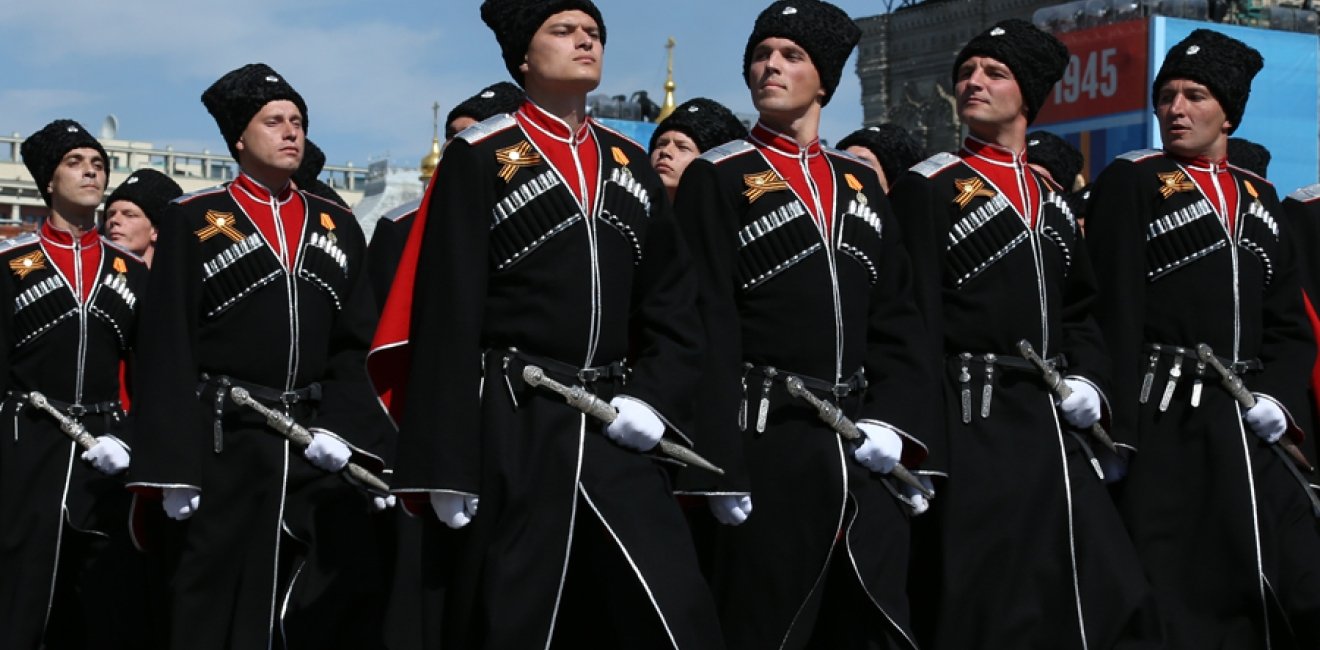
[
  {"x": 68, "y": 425},
  {"x": 1233, "y": 383},
  {"x": 833, "y": 416},
  {"x": 299, "y": 435},
  {"x": 1052, "y": 377},
  {"x": 1061, "y": 390},
  {"x": 1228, "y": 378},
  {"x": 583, "y": 400}
]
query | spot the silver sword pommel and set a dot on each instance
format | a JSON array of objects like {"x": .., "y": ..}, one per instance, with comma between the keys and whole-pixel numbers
[
  {"x": 833, "y": 416},
  {"x": 583, "y": 400}
]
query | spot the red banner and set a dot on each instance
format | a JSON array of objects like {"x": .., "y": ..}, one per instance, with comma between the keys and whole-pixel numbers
[{"x": 1106, "y": 74}]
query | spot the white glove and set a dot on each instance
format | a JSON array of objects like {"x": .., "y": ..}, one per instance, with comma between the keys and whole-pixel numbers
[
  {"x": 730, "y": 509},
  {"x": 1267, "y": 420},
  {"x": 636, "y": 427},
  {"x": 180, "y": 502},
  {"x": 327, "y": 452},
  {"x": 454, "y": 510},
  {"x": 109, "y": 456},
  {"x": 881, "y": 450},
  {"x": 1082, "y": 408},
  {"x": 381, "y": 503},
  {"x": 915, "y": 498}
]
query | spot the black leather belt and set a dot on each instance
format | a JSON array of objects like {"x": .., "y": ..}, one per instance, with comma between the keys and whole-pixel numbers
[
  {"x": 73, "y": 410},
  {"x": 855, "y": 383},
  {"x": 308, "y": 395},
  {"x": 263, "y": 394},
  {"x": 770, "y": 375},
  {"x": 1189, "y": 352},
  {"x": 1006, "y": 361},
  {"x": 616, "y": 371}
]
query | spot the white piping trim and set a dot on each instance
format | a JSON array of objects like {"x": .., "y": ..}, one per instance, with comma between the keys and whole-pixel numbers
[
  {"x": 1255, "y": 522},
  {"x": 288, "y": 594},
  {"x": 852, "y": 560},
  {"x": 1072, "y": 535},
  {"x": 638, "y": 572},
  {"x": 275, "y": 566},
  {"x": 572, "y": 525},
  {"x": 838, "y": 526},
  {"x": 59, "y": 535}
]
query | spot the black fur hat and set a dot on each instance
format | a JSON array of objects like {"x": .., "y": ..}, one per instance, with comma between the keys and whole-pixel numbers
[
  {"x": 1036, "y": 58},
  {"x": 1221, "y": 63},
  {"x": 234, "y": 99},
  {"x": 1250, "y": 156},
  {"x": 516, "y": 21},
  {"x": 42, "y": 151},
  {"x": 895, "y": 148},
  {"x": 1063, "y": 160},
  {"x": 502, "y": 97},
  {"x": 313, "y": 161},
  {"x": 826, "y": 33},
  {"x": 706, "y": 121},
  {"x": 150, "y": 190}
]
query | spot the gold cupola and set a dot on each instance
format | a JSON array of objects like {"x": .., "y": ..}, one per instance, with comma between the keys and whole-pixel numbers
[
  {"x": 668, "y": 105},
  {"x": 432, "y": 159}
]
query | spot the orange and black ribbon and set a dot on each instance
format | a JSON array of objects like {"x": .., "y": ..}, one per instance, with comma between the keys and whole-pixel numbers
[
  {"x": 759, "y": 185},
  {"x": 22, "y": 266},
  {"x": 1173, "y": 182},
  {"x": 513, "y": 157},
  {"x": 222, "y": 223},
  {"x": 970, "y": 188}
]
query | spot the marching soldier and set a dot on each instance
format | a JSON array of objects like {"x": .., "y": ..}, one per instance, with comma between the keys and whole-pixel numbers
[
  {"x": 387, "y": 241},
  {"x": 888, "y": 148},
  {"x": 804, "y": 279},
  {"x": 68, "y": 302},
  {"x": 546, "y": 242},
  {"x": 133, "y": 211},
  {"x": 1193, "y": 251},
  {"x": 259, "y": 286},
  {"x": 695, "y": 127},
  {"x": 999, "y": 260}
]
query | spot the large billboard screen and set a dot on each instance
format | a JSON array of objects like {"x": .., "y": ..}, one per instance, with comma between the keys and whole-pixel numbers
[
  {"x": 1282, "y": 112},
  {"x": 1102, "y": 105}
]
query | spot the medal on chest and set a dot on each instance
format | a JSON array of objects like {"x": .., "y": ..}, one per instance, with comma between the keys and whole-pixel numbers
[
  {"x": 759, "y": 185},
  {"x": 22, "y": 266},
  {"x": 514, "y": 157},
  {"x": 1173, "y": 182},
  {"x": 970, "y": 188},
  {"x": 220, "y": 223}
]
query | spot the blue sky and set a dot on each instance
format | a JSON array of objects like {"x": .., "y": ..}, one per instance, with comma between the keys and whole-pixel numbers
[{"x": 368, "y": 70}]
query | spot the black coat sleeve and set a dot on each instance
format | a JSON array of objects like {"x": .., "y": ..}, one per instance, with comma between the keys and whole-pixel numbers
[
  {"x": 348, "y": 406},
  {"x": 664, "y": 323},
  {"x": 709, "y": 223},
  {"x": 1288, "y": 348},
  {"x": 439, "y": 445},
  {"x": 172, "y": 431},
  {"x": 902, "y": 363},
  {"x": 1115, "y": 234},
  {"x": 923, "y": 221},
  {"x": 1083, "y": 344}
]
